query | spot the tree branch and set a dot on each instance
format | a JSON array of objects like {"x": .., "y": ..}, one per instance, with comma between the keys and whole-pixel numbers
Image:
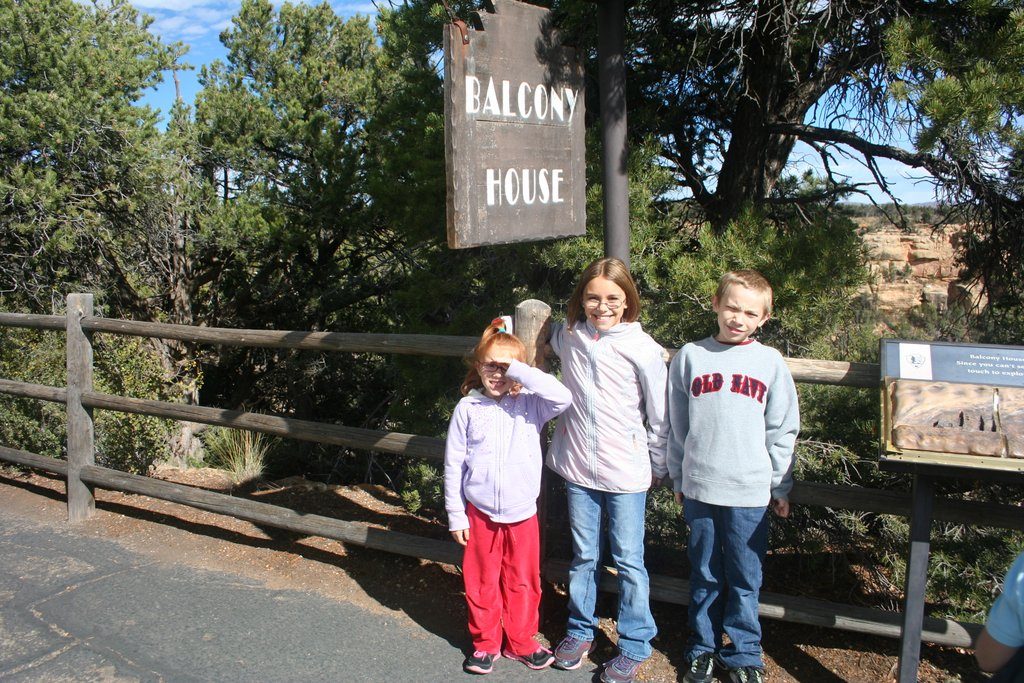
[{"x": 808, "y": 133}]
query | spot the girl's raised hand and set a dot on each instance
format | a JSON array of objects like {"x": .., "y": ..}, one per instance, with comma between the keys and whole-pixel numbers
[{"x": 461, "y": 536}]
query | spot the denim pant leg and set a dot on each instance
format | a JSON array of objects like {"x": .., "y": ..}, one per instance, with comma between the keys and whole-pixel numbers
[
  {"x": 585, "y": 508},
  {"x": 626, "y": 542},
  {"x": 744, "y": 543},
  {"x": 706, "y": 579}
]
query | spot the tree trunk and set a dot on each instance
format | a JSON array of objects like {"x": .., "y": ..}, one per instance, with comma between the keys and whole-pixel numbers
[
  {"x": 771, "y": 78},
  {"x": 752, "y": 165}
]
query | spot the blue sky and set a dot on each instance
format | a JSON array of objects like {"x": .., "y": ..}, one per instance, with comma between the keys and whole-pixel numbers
[
  {"x": 198, "y": 24},
  {"x": 908, "y": 184}
]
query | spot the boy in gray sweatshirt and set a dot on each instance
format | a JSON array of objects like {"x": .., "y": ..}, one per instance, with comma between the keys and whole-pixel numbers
[{"x": 733, "y": 422}]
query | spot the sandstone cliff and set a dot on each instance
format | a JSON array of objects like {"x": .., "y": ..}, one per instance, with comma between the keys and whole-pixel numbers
[{"x": 913, "y": 267}]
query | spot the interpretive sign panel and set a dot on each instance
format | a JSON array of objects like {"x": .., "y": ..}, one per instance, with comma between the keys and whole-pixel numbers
[
  {"x": 943, "y": 362},
  {"x": 953, "y": 404},
  {"x": 514, "y": 133}
]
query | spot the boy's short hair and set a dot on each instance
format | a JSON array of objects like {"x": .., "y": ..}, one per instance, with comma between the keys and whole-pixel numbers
[{"x": 751, "y": 279}]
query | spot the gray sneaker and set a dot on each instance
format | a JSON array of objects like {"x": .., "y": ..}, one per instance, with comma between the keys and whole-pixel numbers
[
  {"x": 570, "y": 653},
  {"x": 540, "y": 658},
  {"x": 746, "y": 674},
  {"x": 622, "y": 669},
  {"x": 480, "y": 662},
  {"x": 701, "y": 668}
]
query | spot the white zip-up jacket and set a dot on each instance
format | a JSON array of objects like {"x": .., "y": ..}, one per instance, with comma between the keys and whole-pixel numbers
[{"x": 614, "y": 436}]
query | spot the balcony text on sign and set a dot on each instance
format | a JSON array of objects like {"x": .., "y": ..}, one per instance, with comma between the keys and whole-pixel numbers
[{"x": 530, "y": 101}]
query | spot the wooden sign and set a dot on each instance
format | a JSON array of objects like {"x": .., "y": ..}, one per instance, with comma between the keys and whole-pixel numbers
[{"x": 514, "y": 133}]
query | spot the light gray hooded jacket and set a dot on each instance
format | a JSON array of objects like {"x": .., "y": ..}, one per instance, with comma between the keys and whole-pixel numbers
[{"x": 613, "y": 437}]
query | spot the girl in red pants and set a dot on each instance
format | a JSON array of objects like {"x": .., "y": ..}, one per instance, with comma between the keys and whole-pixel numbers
[{"x": 492, "y": 468}]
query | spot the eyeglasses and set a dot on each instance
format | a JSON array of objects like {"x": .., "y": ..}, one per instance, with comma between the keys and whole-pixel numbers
[
  {"x": 610, "y": 304},
  {"x": 491, "y": 368}
]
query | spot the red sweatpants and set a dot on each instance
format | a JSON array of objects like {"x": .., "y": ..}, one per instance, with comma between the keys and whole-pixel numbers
[{"x": 501, "y": 568}]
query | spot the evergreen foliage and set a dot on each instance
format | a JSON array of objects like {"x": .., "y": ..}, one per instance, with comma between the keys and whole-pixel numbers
[
  {"x": 27, "y": 424},
  {"x": 962, "y": 72},
  {"x": 125, "y": 366},
  {"x": 300, "y": 239},
  {"x": 75, "y": 149}
]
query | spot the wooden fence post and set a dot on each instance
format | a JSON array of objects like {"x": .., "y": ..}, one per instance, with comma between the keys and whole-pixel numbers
[
  {"x": 531, "y": 326},
  {"x": 81, "y": 437}
]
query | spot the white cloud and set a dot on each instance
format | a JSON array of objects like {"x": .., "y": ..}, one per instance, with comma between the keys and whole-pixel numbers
[
  {"x": 347, "y": 9},
  {"x": 180, "y": 5},
  {"x": 191, "y": 25},
  {"x": 192, "y": 20},
  {"x": 188, "y": 21}
]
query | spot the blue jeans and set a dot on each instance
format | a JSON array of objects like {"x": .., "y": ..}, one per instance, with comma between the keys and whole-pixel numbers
[
  {"x": 726, "y": 549},
  {"x": 625, "y": 528}
]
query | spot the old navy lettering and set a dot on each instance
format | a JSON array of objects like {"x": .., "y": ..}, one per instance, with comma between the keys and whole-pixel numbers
[
  {"x": 748, "y": 386},
  {"x": 741, "y": 384},
  {"x": 707, "y": 384}
]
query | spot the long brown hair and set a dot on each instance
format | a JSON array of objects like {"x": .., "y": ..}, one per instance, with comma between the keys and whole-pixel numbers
[
  {"x": 611, "y": 269},
  {"x": 493, "y": 337}
]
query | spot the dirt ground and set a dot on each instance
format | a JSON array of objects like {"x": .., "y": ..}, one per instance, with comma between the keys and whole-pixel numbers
[{"x": 423, "y": 591}]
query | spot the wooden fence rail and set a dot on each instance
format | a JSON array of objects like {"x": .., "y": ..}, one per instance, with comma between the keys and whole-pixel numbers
[
  {"x": 531, "y": 316},
  {"x": 809, "y": 371},
  {"x": 836, "y": 496}
]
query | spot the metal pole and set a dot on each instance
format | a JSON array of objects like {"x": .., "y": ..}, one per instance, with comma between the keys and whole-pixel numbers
[
  {"x": 917, "y": 577},
  {"x": 611, "y": 18}
]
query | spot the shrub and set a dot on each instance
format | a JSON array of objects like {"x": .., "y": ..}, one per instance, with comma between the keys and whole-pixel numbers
[
  {"x": 130, "y": 366},
  {"x": 27, "y": 424},
  {"x": 240, "y": 453},
  {"x": 423, "y": 488},
  {"x": 665, "y": 532},
  {"x": 126, "y": 366}
]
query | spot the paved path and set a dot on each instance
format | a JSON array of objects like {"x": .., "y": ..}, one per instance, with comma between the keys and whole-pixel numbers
[{"x": 77, "y": 606}]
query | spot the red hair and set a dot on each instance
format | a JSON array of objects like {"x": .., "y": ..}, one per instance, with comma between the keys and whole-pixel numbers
[{"x": 494, "y": 337}]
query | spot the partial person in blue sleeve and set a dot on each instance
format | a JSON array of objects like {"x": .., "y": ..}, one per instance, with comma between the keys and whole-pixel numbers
[{"x": 999, "y": 646}]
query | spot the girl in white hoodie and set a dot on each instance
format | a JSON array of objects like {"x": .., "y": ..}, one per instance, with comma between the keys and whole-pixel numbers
[{"x": 610, "y": 448}]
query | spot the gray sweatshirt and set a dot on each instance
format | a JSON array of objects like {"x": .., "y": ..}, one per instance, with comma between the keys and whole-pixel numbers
[{"x": 733, "y": 422}]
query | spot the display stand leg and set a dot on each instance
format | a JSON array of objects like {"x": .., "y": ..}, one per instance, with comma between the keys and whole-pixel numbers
[{"x": 917, "y": 574}]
